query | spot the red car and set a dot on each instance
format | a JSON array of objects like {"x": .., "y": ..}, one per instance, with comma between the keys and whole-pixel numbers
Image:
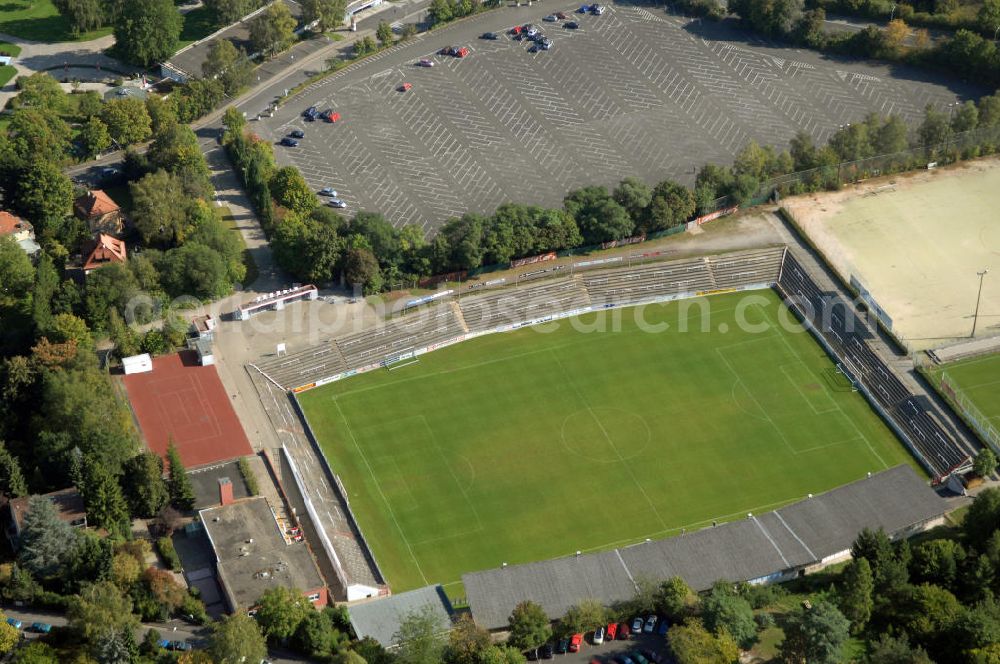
[
  {"x": 623, "y": 631},
  {"x": 561, "y": 16},
  {"x": 516, "y": 30},
  {"x": 461, "y": 52},
  {"x": 330, "y": 116},
  {"x": 611, "y": 632},
  {"x": 405, "y": 87},
  {"x": 574, "y": 642}
]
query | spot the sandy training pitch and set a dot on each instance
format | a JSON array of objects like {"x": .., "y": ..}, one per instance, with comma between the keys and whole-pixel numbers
[{"x": 916, "y": 243}]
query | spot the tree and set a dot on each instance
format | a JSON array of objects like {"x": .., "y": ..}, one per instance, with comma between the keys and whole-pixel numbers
[
  {"x": 127, "y": 120},
  {"x": 40, "y": 91},
  {"x": 674, "y": 599},
  {"x": 440, "y": 11},
  {"x": 938, "y": 562},
  {"x": 161, "y": 209},
  {"x": 37, "y": 652},
  {"x": 143, "y": 481},
  {"x": 328, "y": 13},
  {"x": 146, "y": 31},
  {"x": 280, "y": 612},
  {"x": 47, "y": 541},
  {"x": 229, "y": 64},
  {"x": 857, "y": 593},
  {"x": 890, "y": 650},
  {"x": 816, "y": 635},
  {"x": 691, "y": 643},
  {"x": 723, "y": 609},
  {"x": 586, "y": 616},
  {"x": 122, "y": 335},
  {"x": 981, "y": 520},
  {"x": 273, "y": 29},
  {"x": 45, "y": 195},
  {"x": 891, "y": 136},
  {"x": 876, "y": 547},
  {"x": 229, "y": 11},
  {"x": 109, "y": 287},
  {"x": 466, "y": 642},
  {"x": 95, "y": 137},
  {"x": 179, "y": 485},
  {"x": 365, "y": 46},
  {"x": 634, "y": 195},
  {"x": 17, "y": 274},
  {"x": 988, "y": 16},
  {"x": 194, "y": 269},
  {"x": 38, "y": 135},
  {"x": 985, "y": 462},
  {"x": 9, "y": 636},
  {"x": 421, "y": 637},
  {"x": 83, "y": 15},
  {"x": 935, "y": 128},
  {"x": 234, "y": 121},
  {"x": 46, "y": 285},
  {"x": 966, "y": 118},
  {"x": 125, "y": 570},
  {"x": 529, "y": 627},
  {"x": 164, "y": 588},
  {"x": 101, "y": 607},
  {"x": 895, "y": 34},
  {"x": 362, "y": 271},
  {"x": 106, "y": 506},
  {"x": 316, "y": 636},
  {"x": 290, "y": 190},
  {"x": 236, "y": 639},
  {"x": 495, "y": 654},
  {"x": 597, "y": 215},
  {"x": 12, "y": 484},
  {"x": 671, "y": 205},
  {"x": 384, "y": 33}
]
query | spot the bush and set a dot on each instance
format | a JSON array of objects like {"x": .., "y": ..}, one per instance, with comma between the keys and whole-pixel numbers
[
  {"x": 193, "y": 609},
  {"x": 165, "y": 547},
  {"x": 248, "y": 477}
]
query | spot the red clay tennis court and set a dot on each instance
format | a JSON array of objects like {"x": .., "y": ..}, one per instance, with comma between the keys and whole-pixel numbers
[{"x": 183, "y": 400}]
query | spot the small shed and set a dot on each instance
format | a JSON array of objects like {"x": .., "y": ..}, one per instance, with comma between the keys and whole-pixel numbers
[
  {"x": 137, "y": 364},
  {"x": 205, "y": 355}
]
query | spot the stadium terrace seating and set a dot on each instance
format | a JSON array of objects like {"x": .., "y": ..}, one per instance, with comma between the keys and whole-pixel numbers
[
  {"x": 647, "y": 282},
  {"x": 735, "y": 270},
  {"x": 848, "y": 337},
  {"x": 522, "y": 303},
  {"x": 304, "y": 366},
  {"x": 410, "y": 331}
]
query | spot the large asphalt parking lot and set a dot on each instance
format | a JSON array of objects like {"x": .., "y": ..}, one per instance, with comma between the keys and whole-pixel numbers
[{"x": 637, "y": 91}]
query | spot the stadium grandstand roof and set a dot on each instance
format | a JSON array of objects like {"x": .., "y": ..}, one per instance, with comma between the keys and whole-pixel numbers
[
  {"x": 380, "y": 618},
  {"x": 756, "y": 548}
]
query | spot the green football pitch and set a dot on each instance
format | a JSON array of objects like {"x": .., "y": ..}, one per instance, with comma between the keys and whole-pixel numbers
[
  {"x": 979, "y": 380},
  {"x": 538, "y": 443}
]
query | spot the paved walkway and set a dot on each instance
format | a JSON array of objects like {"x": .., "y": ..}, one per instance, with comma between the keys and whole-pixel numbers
[{"x": 77, "y": 59}]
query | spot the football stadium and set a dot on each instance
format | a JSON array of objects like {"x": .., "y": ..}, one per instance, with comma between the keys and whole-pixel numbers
[{"x": 600, "y": 408}]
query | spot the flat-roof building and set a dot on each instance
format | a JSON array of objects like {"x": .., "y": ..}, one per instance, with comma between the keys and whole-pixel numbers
[{"x": 253, "y": 554}]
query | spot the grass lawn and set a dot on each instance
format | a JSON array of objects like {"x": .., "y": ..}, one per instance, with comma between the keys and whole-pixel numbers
[
  {"x": 979, "y": 379},
  {"x": 38, "y": 20},
  {"x": 198, "y": 24},
  {"x": 528, "y": 445},
  {"x": 248, "y": 261},
  {"x": 6, "y": 48},
  {"x": 6, "y": 73}
]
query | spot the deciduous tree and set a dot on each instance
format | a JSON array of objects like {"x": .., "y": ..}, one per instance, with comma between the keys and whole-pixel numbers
[
  {"x": 273, "y": 29},
  {"x": 280, "y": 612},
  {"x": 95, "y": 137},
  {"x": 101, "y": 607},
  {"x": 146, "y": 31},
  {"x": 985, "y": 462},
  {"x": 529, "y": 627},
  {"x": 815, "y": 635},
  {"x": 236, "y": 639},
  {"x": 421, "y": 637},
  {"x": 691, "y": 643},
  {"x": 16, "y": 272},
  {"x": 127, "y": 119}
]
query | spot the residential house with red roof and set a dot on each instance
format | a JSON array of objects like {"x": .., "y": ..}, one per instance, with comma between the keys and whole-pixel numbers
[
  {"x": 100, "y": 212},
  {"x": 107, "y": 250},
  {"x": 20, "y": 230}
]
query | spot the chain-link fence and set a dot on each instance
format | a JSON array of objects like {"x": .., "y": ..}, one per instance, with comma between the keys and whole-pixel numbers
[{"x": 975, "y": 417}]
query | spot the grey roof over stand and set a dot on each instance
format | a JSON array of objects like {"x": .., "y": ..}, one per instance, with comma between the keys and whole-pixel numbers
[
  {"x": 380, "y": 618},
  {"x": 758, "y": 546}
]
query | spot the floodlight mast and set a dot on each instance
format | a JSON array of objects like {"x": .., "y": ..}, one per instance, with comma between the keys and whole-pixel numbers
[{"x": 979, "y": 296}]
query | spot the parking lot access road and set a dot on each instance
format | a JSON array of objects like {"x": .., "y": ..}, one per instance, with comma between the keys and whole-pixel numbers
[{"x": 636, "y": 91}]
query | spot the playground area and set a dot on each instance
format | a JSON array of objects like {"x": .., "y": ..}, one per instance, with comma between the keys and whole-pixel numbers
[{"x": 916, "y": 243}]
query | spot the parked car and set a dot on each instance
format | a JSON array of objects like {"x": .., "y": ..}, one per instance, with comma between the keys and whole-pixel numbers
[
  {"x": 297, "y": 133},
  {"x": 562, "y": 646},
  {"x": 562, "y": 16},
  {"x": 652, "y": 656},
  {"x": 462, "y": 52},
  {"x": 583, "y": 9},
  {"x": 612, "y": 632},
  {"x": 531, "y": 31},
  {"x": 309, "y": 112},
  {"x": 638, "y": 658},
  {"x": 546, "y": 651},
  {"x": 571, "y": 25},
  {"x": 289, "y": 142},
  {"x": 623, "y": 631},
  {"x": 516, "y": 30},
  {"x": 624, "y": 659},
  {"x": 545, "y": 44},
  {"x": 109, "y": 172},
  {"x": 663, "y": 627},
  {"x": 650, "y": 624},
  {"x": 598, "y": 636},
  {"x": 597, "y": 10},
  {"x": 637, "y": 625},
  {"x": 448, "y": 50},
  {"x": 337, "y": 203},
  {"x": 41, "y": 628},
  {"x": 328, "y": 191},
  {"x": 490, "y": 36},
  {"x": 180, "y": 646},
  {"x": 14, "y": 622},
  {"x": 164, "y": 643},
  {"x": 575, "y": 642},
  {"x": 330, "y": 115},
  {"x": 551, "y": 18},
  {"x": 406, "y": 87},
  {"x": 424, "y": 62}
]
